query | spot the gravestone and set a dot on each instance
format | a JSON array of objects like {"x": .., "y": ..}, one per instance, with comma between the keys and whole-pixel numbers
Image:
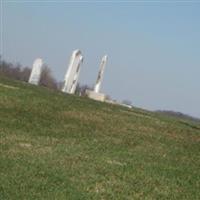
[
  {"x": 36, "y": 72},
  {"x": 73, "y": 71}
]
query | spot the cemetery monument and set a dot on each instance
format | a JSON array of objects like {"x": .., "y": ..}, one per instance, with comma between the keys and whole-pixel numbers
[
  {"x": 36, "y": 72},
  {"x": 73, "y": 71}
]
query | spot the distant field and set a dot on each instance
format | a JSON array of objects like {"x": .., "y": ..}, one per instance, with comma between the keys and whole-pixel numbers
[{"x": 57, "y": 146}]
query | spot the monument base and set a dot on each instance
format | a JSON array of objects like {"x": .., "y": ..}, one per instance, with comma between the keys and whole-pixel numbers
[{"x": 96, "y": 96}]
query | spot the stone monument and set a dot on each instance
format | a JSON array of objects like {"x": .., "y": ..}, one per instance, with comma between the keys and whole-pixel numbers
[
  {"x": 100, "y": 74},
  {"x": 36, "y": 72},
  {"x": 75, "y": 81},
  {"x": 96, "y": 95},
  {"x": 73, "y": 71}
]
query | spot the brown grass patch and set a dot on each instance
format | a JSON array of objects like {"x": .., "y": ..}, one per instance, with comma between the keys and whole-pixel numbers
[{"x": 83, "y": 116}]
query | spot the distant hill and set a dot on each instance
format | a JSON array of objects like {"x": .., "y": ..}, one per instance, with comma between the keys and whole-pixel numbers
[
  {"x": 178, "y": 115},
  {"x": 59, "y": 146}
]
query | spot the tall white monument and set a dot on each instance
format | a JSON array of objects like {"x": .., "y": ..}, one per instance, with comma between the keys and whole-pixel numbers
[
  {"x": 95, "y": 94},
  {"x": 36, "y": 72},
  {"x": 73, "y": 71},
  {"x": 75, "y": 81},
  {"x": 100, "y": 74}
]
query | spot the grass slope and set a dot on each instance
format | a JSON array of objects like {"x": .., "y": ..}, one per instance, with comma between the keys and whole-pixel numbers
[{"x": 57, "y": 146}]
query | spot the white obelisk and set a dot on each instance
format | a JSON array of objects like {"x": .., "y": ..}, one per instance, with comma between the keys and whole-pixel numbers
[
  {"x": 100, "y": 74},
  {"x": 36, "y": 72},
  {"x": 72, "y": 74},
  {"x": 75, "y": 81}
]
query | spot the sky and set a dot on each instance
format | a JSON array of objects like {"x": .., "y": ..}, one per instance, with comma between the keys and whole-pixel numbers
[{"x": 153, "y": 47}]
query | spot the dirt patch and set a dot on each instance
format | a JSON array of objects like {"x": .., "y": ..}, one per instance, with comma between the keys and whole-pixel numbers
[
  {"x": 114, "y": 162},
  {"x": 83, "y": 116},
  {"x": 26, "y": 145}
]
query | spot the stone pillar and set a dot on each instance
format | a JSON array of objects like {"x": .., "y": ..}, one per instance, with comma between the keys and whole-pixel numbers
[
  {"x": 75, "y": 81},
  {"x": 36, "y": 72},
  {"x": 73, "y": 71},
  {"x": 100, "y": 74}
]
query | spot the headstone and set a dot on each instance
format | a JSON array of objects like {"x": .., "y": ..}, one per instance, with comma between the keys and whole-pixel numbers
[
  {"x": 36, "y": 72},
  {"x": 100, "y": 74},
  {"x": 72, "y": 74}
]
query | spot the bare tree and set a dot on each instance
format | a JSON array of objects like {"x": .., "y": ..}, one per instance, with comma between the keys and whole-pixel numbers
[
  {"x": 25, "y": 73},
  {"x": 81, "y": 89},
  {"x": 14, "y": 71},
  {"x": 47, "y": 79},
  {"x": 60, "y": 85}
]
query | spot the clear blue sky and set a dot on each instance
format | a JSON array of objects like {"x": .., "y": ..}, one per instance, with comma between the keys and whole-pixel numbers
[{"x": 153, "y": 47}]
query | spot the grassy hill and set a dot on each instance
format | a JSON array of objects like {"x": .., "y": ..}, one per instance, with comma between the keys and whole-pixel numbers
[{"x": 58, "y": 146}]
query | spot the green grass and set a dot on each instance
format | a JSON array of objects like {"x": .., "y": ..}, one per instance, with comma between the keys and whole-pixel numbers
[{"x": 57, "y": 146}]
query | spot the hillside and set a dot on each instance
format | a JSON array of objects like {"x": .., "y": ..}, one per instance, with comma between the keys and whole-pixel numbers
[{"x": 58, "y": 146}]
